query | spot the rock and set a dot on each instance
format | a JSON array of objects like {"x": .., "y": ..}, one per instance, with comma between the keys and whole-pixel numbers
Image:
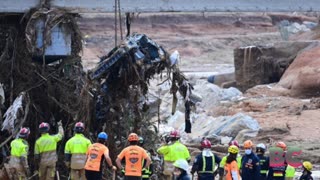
[
  {"x": 246, "y": 134},
  {"x": 230, "y": 94},
  {"x": 237, "y": 123},
  {"x": 256, "y": 65},
  {"x": 225, "y": 140},
  {"x": 302, "y": 76},
  {"x": 310, "y": 24}
]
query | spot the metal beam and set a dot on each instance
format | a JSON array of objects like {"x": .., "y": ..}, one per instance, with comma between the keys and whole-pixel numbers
[{"x": 106, "y": 6}]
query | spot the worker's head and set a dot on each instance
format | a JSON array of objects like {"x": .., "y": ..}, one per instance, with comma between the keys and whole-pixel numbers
[
  {"x": 248, "y": 146},
  {"x": 102, "y": 137},
  {"x": 234, "y": 142},
  {"x": 233, "y": 152},
  {"x": 261, "y": 148},
  {"x": 78, "y": 127},
  {"x": 141, "y": 141},
  {"x": 281, "y": 145},
  {"x": 180, "y": 166},
  {"x": 174, "y": 135},
  {"x": 205, "y": 144},
  {"x": 24, "y": 133},
  {"x": 307, "y": 166},
  {"x": 133, "y": 139},
  {"x": 44, "y": 127}
]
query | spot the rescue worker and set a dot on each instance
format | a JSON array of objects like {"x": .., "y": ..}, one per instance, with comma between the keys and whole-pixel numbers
[
  {"x": 263, "y": 160},
  {"x": 224, "y": 159},
  {"x": 133, "y": 155},
  {"x": 181, "y": 168},
  {"x": 250, "y": 167},
  {"x": 279, "y": 172},
  {"x": 205, "y": 163},
  {"x": 231, "y": 167},
  {"x": 45, "y": 151},
  {"x": 148, "y": 172},
  {"x": 18, "y": 162},
  {"x": 95, "y": 155},
  {"x": 306, "y": 173},
  {"x": 171, "y": 152},
  {"x": 75, "y": 152}
]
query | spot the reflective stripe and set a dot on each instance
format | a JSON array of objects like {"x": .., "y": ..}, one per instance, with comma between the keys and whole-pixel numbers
[
  {"x": 277, "y": 174},
  {"x": 204, "y": 165},
  {"x": 263, "y": 171}
]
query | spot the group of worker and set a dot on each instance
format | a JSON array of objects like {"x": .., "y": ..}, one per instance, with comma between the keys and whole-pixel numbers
[
  {"x": 85, "y": 159},
  {"x": 251, "y": 166}
]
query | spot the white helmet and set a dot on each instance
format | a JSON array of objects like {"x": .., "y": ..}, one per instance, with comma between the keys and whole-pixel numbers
[
  {"x": 182, "y": 164},
  {"x": 262, "y": 146}
]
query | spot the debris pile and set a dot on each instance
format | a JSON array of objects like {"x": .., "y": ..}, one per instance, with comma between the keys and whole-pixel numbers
[{"x": 122, "y": 79}]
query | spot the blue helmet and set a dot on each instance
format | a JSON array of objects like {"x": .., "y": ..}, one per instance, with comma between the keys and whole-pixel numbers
[{"x": 103, "y": 135}]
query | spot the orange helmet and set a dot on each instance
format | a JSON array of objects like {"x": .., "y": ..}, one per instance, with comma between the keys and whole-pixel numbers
[
  {"x": 248, "y": 144},
  {"x": 281, "y": 145},
  {"x": 133, "y": 137}
]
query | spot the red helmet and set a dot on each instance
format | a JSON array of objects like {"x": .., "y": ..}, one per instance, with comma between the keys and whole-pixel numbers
[
  {"x": 234, "y": 142},
  {"x": 79, "y": 127},
  {"x": 24, "y": 132},
  {"x": 174, "y": 134},
  {"x": 205, "y": 143},
  {"x": 281, "y": 145},
  {"x": 44, "y": 127}
]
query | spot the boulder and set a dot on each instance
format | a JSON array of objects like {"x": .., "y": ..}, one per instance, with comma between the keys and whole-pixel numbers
[
  {"x": 237, "y": 123},
  {"x": 302, "y": 76},
  {"x": 256, "y": 65}
]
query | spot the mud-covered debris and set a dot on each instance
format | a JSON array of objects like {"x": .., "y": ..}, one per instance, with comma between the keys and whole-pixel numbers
[
  {"x": 15, "y": 113},
  {"x": 124, "y": 75}
]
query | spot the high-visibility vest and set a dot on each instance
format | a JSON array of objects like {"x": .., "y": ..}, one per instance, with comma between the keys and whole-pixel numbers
[
  {"x": 46, "y": 147},
  {"x": 19, "y": 148},
  {"x": 77, "y": 146},
  {"x": 174, "y": 152},
  {"x": 204, "y": 165}
]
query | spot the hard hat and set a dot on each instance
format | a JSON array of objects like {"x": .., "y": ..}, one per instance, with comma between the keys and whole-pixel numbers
[
  {"x": 103, "y": 135},
  {"x": 234, "y": 142},
  {"x": 24, "y": 132},
  {"x": 79, "y": 127},
  {"x": 233, "y": 149},
  {"x": 261, "y": 148},
  {"x": 205, "y": 143},
  {"x": 141, "y": 140},
  {"x": 307, "y": 165},
  {"x": 248, "y": 144},
  {"x": 44, "y": 127},
  {"x": 281, "y": 145},
  {"x": 133, "y": 137},
  {"x": 175, "y": 134},
  {"x": 182, "y": 164}
]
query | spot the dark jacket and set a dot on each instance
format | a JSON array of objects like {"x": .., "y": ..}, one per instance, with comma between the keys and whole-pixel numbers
[
  {"x": 184, "y": 176},
  {"x": 250, "y": 167},
  {"x": 277, "y": 173},
  {"x": 206, "y": 172},
  {"x": 264, "y": 166},
  {"x": 306, "y": 176}
]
